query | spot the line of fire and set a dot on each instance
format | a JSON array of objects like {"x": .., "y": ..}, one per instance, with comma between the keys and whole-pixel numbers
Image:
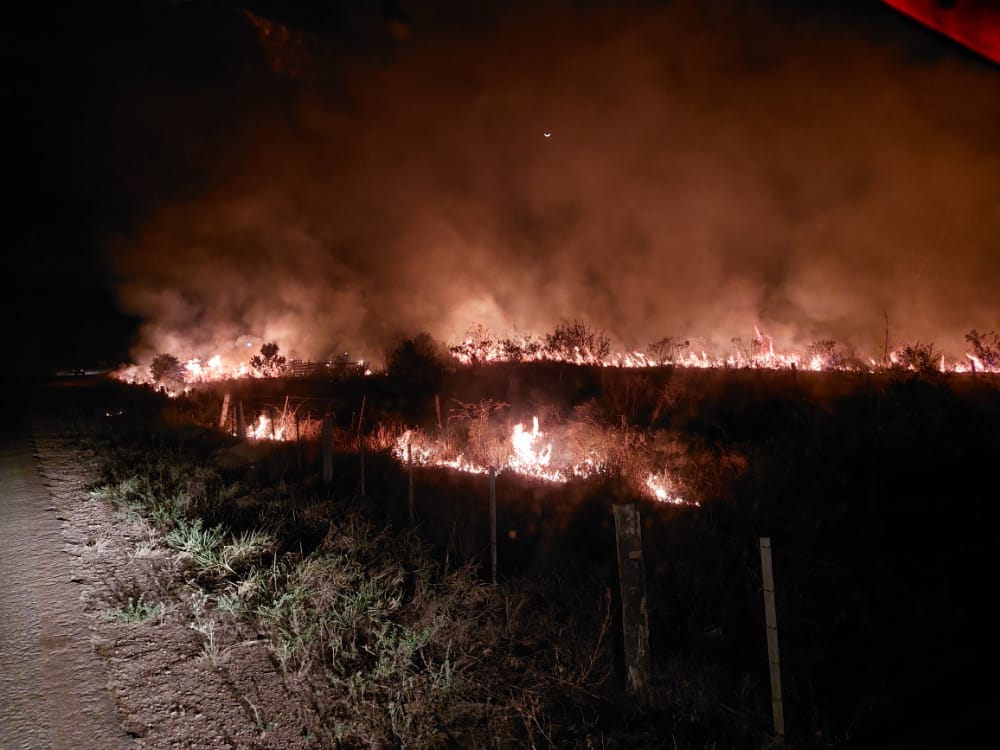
[{"x": 560, "y": 451}]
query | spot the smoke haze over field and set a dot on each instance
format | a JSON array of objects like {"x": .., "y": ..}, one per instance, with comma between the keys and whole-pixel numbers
[{"x": 710, "y": 166}]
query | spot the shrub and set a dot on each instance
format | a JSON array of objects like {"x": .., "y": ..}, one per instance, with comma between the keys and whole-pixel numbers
[
  {"x": 918, "y": 357},
  {"x": 166, "y": 369},
  {"x": 985, "y": 347},
  {"x": 478, "y": 346},
  {"x": 577, "y": 341},
  {"x": 667, "y": 349},
  {"x": 269, "y": 363},
  {"x": 487, "y": 444},
  {"x": 418, "y": 364}
]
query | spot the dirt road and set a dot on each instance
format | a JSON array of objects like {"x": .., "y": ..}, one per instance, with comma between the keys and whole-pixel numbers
[{"x": 53, "y": 687}]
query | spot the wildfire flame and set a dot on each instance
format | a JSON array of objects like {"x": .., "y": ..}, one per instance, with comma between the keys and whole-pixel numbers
[
  {"x": 660, "y": 488},
  {"x": 264, "y": 430},
  {"x": 481, "y": 346},
  {"x": 530, "y": 456}
]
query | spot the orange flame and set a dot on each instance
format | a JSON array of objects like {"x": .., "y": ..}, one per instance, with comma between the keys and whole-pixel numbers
[
  {"x": 481, "y": 346},
  {"x": 264, "y": 430},
  {"x": 530, "y": 456}
]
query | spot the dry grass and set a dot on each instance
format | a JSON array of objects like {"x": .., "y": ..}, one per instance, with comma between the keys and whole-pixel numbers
[{"x": 383, "y": 643}]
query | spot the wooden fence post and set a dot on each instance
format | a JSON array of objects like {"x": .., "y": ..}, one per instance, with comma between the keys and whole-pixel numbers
[
  {"x": 635, "y": 615},
  {"x": 437, "y": 408},
  {"x": 224, "y": 417},
  {"x": 241, "y": 424},
  {"x": 327, "y": 449},
  {"x": 274, "y": 435},
  {"x": 409, "y": 464},
  {"x": 298, "y": 442},
  {"x": 361, "y": 453},
  {"x": 361, "y": 441},
  {"x": 493, "y": 522},
  {"x": 771, "y": 622}
]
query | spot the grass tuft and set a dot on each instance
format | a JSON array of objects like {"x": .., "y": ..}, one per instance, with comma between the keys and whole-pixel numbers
[
  {"x": 204, "y": 546},
  {"x": 136, "y": 610}
]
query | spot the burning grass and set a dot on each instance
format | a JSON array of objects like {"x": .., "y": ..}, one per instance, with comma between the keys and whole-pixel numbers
[
  {"x": 574, "y": 451},
  {"x": 858, "y": 476},
  {"x": 381, "y": 642},
  {"x": 573, "y": 343},
  {"x": 577, "y": 343},
  {"x": 476, "y": 437}
]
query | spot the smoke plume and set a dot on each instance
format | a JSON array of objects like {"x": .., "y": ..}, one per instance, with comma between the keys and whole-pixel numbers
[{"x": 654, "y": 169}]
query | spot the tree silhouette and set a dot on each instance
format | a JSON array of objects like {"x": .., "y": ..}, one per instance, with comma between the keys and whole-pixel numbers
[
  {"x": 165, "y": 368},
  {"x": 268, "y": 363},
  {"x": 577, "y": 341},
  {"x": 985, "y": 346}
]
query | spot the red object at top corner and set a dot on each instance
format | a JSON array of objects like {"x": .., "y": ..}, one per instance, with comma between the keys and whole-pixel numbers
[{"x": 972, "y": 23}]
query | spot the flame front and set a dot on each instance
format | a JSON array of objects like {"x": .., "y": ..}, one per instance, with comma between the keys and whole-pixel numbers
[
  {"x": 481, "y": 346},
  {"x": 265, "y": 430},
  {"x": 530, "y": 455},
  {"x": 660, "y": 487}
]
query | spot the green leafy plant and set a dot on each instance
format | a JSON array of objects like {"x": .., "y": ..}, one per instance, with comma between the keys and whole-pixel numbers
[
  {"x": 136, "y": 610},
  {"x": 244, "y": 549},
  {"x": 202, "y": 545}
]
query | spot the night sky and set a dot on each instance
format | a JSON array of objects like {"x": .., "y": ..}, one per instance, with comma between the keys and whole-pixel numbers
[{"x": 334, "y": 175}]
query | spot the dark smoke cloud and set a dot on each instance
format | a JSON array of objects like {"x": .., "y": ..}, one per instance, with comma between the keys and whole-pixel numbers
[{"x": 711, "y": 166}]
